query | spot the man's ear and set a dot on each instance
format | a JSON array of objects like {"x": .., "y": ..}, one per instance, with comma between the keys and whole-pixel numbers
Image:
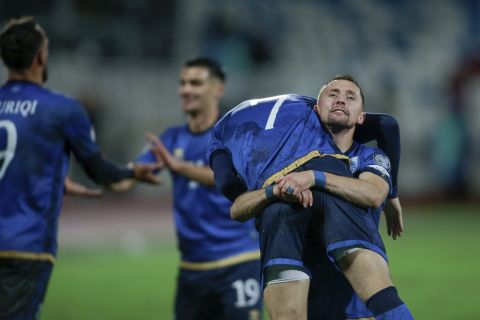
[
  {"x": 39, "y": 58},
  {"x": 361, "y": 118},
  {"x": 220, "y": 89}
]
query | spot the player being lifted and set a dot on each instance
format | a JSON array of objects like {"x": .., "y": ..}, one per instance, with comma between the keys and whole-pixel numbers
[{"x": 269, "y": 138}]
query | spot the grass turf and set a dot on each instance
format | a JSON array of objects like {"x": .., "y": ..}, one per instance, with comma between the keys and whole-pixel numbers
[{"x": 435, "y": 267}]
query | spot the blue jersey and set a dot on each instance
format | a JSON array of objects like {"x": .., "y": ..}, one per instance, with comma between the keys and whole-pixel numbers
[
  {"x": 267, "y": 138},
  {"x": 364, "y": 158},
  {"x": 38, "y": 129},
  {"x": 202, "y": 215}
]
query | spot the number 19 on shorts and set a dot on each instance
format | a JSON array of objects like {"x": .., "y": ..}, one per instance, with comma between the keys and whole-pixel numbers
[{"x": 248, "y": 292}]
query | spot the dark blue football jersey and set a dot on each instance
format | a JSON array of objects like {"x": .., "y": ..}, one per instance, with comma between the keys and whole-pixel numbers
[
  {"x": 270, "y": 137},
  {"x": 204, "y": 229},
  {"x": 38, "y": 130},
  {"x": 364, "y": 158}
]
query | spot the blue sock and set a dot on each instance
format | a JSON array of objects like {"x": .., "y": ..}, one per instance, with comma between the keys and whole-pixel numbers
[
  {"x": 399, "y": 313},
  {"x": 387, "y": 305}
]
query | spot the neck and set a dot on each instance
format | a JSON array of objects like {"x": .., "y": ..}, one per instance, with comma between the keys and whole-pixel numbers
[
  {"x": 27, "y": 75},
  {"x": 202, "y": 120},
  {"x": 343, "y": 138}
]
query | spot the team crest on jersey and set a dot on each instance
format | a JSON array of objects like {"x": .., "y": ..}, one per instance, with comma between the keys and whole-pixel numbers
[
  {"x": 382, "y": 160},
  {"x": 353, "y": 164},
  {"x": 178, "y": 153}
]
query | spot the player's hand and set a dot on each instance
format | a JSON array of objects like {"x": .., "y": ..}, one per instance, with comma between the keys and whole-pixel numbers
[
  {"x": 296, "y": 182},
  {"x": 146, "y": 172},
  {"x": 305, "y": 198},
  {"x": 162, "y": 154},
  {"x": 393, "y": 217},
  {"x": 73, "y": 188}
]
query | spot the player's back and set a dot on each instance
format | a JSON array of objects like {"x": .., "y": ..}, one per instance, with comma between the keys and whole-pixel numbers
[
  {"x": 265, "y": 135},
  {"x": 34, "y": 125}
]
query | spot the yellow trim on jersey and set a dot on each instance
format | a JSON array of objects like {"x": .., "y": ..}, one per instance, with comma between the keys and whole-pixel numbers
[
  {"x": 40, "y": 256},
  {"x": 244, "y": 257},
  {"x": 297, "y": 163}
]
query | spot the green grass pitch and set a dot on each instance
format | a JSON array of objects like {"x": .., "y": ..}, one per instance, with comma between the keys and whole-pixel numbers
[{"x": 435, "y": 267}]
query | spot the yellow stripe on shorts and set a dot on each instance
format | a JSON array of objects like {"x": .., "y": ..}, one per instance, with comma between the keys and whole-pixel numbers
[
  {"x": 39, "y": 256},
  {"x": 230, "y": 261}
]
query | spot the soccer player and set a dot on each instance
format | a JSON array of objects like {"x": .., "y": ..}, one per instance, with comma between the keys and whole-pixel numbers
[
  {"x": 220, "y": 269},
  {"x": 38, "y": 131},
  {"x": 271, "y": 133}
]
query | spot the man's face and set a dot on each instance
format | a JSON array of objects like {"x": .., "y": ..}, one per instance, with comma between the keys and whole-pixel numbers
[
  {"x": 340, "y": 105},
  {"x": 197, "y": 89}
]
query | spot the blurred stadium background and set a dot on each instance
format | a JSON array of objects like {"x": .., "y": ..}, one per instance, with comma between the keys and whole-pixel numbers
[{"x": 418, "y": 60}]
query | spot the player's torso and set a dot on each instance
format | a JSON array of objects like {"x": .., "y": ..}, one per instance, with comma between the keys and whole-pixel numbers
[
  {"x": 202, "y": 214},
  {"x": 33, "y": 162}
]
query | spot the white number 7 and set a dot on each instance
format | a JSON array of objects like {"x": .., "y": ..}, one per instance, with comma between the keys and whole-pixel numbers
[
  {"x": 273, "y": 113},
  {"x": 7, "y": 154}
]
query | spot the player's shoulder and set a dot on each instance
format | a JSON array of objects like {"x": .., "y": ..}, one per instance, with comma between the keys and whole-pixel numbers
[
  {"x": 58, "y": 97},
  {"x": 363, "y": 155},
  {"x": 364, "y": 150}
]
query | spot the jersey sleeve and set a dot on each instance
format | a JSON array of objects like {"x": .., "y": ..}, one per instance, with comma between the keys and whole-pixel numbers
[
  {"x": 377, "y": 162},
  {"x": 384, "y": 129},
  {"x": 216, "y": 140},
  {"x": 79, "y": 132},
  {"x": 80, "y": 135}
]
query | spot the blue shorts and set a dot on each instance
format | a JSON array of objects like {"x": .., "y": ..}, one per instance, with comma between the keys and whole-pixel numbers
[
  {"x": 286, "y": 228},
  {"x": 231, "y": 292},
  {"x": 23, "y": 284},
  {"x": 305, "y": 239},
  {"x": 331, "y": 297}
]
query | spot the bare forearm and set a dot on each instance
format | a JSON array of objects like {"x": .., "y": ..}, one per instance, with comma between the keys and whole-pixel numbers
[
  {"x": 203, "y": 175},
  {"x": 359, "y": 192},
  {"x": 249, "y": 205}
]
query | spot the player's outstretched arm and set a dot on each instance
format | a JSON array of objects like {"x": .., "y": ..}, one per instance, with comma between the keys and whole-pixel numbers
[
  {"x": 200, "y": 174},
  {"x": 106, "y": 173},
  {"x": 128, "y": 184}
]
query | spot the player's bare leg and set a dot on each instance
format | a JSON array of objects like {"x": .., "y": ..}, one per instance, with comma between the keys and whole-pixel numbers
[
  {"x": 366, "y": 271},
  {"x": 369, "y": 276},
  {"x": 287, "y": 300}
]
